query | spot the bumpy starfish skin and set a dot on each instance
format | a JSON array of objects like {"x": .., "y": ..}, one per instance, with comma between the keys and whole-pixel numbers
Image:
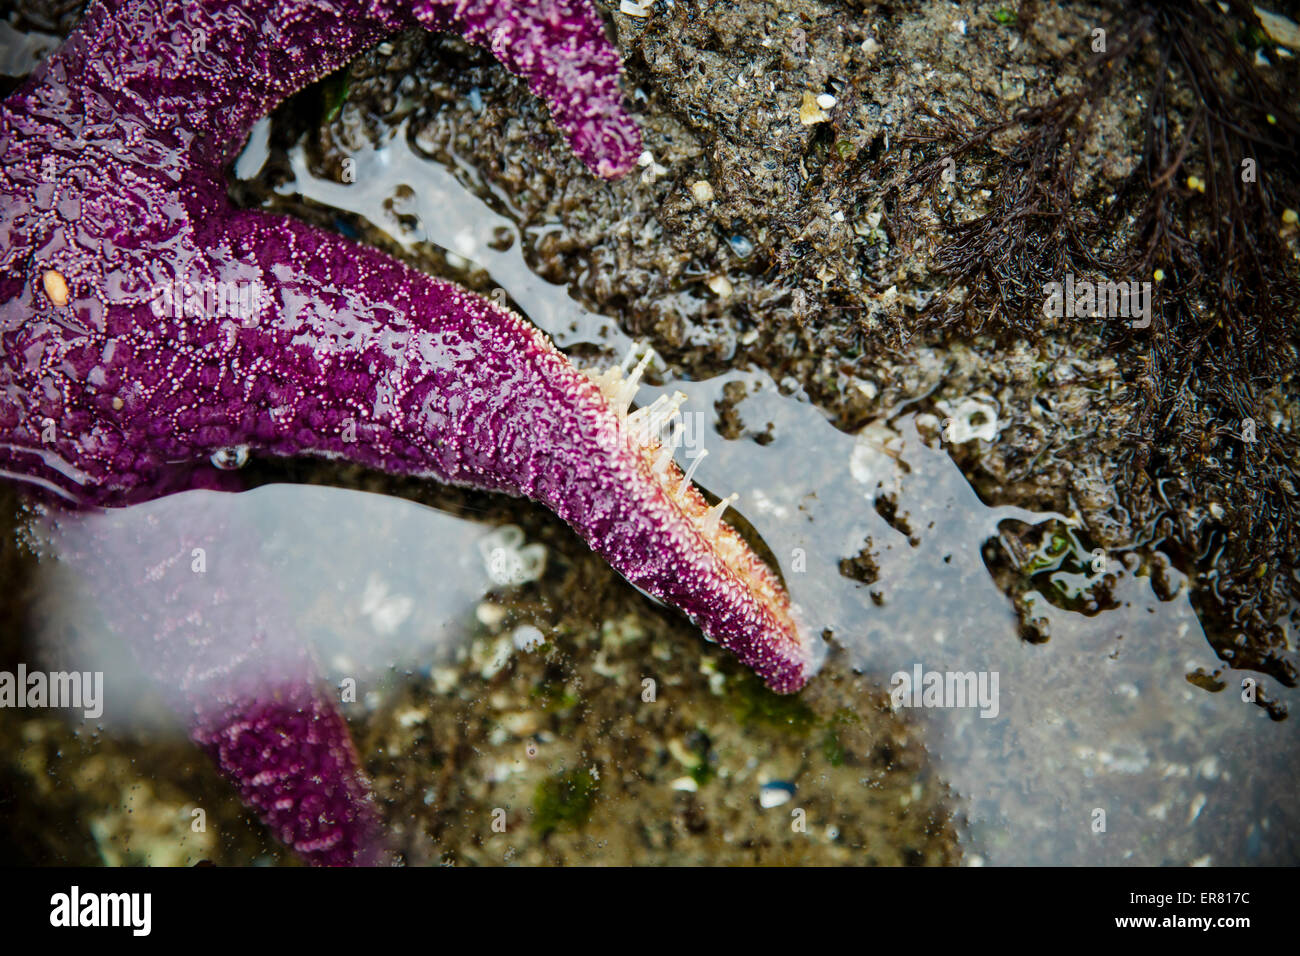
[
  {"x": 289, "y": 754},
  {"x": 116, "y": 367}
]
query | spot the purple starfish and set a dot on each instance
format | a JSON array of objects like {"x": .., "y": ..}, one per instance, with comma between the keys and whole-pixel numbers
[{"x": 147, "y": 324}]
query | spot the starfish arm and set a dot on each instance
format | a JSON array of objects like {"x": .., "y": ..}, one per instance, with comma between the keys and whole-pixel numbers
[
  {"x": 559, "y": 48},
  {"x": 288, "y": 752},
  {"x": 380, "y": 364},
  {"x": 351, "y": 354},
  {"x": 201, "y": 72}
]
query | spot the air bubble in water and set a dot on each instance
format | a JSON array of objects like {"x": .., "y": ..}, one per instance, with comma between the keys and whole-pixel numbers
[{"x": 229, "y": 459}]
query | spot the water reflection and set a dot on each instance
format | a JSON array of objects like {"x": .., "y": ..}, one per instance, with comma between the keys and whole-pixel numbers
[{"x": 207, "y": 595}]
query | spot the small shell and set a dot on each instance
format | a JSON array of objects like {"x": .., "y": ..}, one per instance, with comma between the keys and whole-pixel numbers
[
  {"x": 774, "y": 794},
  {"x": 810, "y": 111},
  {"x": 721, "y": 286},
  {"x": 702, "y": 190},
  {"x": 56, "y": 287}
]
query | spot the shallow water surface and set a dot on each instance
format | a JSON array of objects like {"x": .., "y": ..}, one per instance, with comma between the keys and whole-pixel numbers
[{"x": 1091, "y": 747}]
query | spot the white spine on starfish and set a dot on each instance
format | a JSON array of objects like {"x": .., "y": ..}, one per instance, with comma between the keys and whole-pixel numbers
[
  {"x": 690, "y": 472},
  {"x": 640, "y": 419},
  {"x": 671, "y": 409},
  {"x": 647, "y": 423},
  {"x": 709, "y": 523},
  {"x": 628, "y": 389},
  {"x": 670, "y": 448}
]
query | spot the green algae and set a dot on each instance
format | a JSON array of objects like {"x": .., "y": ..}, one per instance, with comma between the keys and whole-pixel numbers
[
  {"x": 753, "y": 703},
  {"x": 333, "y": 91},
  {"x": 564, "y": 801}
]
